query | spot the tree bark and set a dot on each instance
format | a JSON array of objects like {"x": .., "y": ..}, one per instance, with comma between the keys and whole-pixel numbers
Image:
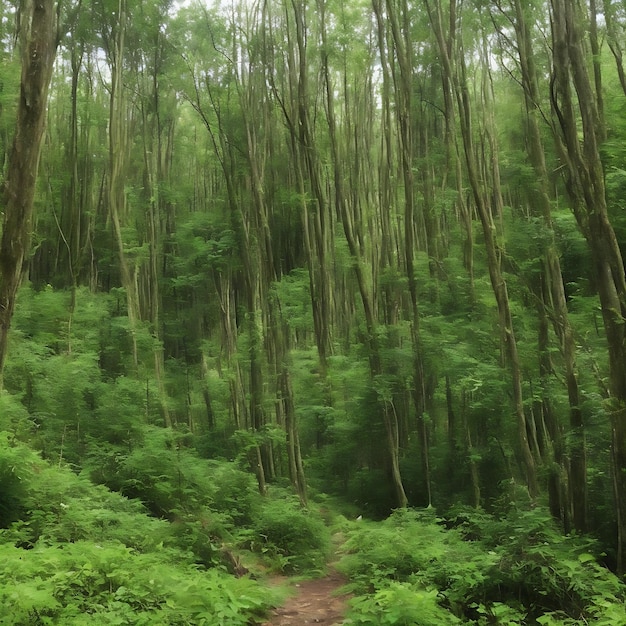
[
  {"x": 555, "y": 294},
  {"x": 455, "y": 69},
  {"x": 403, "y": 92},
  {"x": 614, "y": 42},
  {"x": 38, "y": 40},
  {"x": 573, "y": 98}
]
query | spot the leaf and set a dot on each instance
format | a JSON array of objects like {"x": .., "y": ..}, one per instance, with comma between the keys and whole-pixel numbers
[{"x": 585, "y": 557}]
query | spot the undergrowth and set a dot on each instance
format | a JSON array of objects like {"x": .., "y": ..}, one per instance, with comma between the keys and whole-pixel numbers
[
  {"x": 415, "y": 569},
  {"x": 294, "y": 541},
  {"x": 99, "y": 583},
  {"x": 75, "y": 553}
]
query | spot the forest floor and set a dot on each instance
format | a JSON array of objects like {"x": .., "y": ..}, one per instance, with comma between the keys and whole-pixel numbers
[{"x": 315, "y": 601}]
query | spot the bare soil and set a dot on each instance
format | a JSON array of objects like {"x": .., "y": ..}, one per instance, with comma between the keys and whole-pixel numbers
[{"x": 314, "y": 602}]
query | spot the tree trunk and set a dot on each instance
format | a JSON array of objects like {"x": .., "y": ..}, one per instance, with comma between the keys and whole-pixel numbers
[
  {"x": 390, "y": 419},
  {"x": 614, "y": 42},
  {"x": 555, "y": 296},
  {"x": 573, "y": 98},
  {"x": 38, "y": 41},
  {"x": 456, "y": 71},
  {"x": 118, "y": 161},
  {"x": 403, "y": 92}
]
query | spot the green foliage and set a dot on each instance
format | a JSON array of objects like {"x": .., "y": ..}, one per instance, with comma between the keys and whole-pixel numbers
[
  {"x": 397, "y": 548},
  {"x": 477, "y": 567},
  {"x": 108, "y": 583},
  {"x": 172, "y": 481},
  {"x": 400, "y": 604},
  {"x": 575, "y": 255},
  {"x": 54, "y": 505},
  {"x": 294, "y": 539},
  {"x": 69, "y": 370},
  {"x": 58, "y": 506},
  {"x": 80, "y": 554},
  {"x": 120, "y": 409},
  {"x": 552, "y": 570},
  {"x": 80, "y": 399},
  {"x": 234, "y": 493},
  {"x": 12, "y": 489},
  {"x": 293, "y": 293},
  {"x": 342, "y": 426},
  {"x": 14, "y": 417}
]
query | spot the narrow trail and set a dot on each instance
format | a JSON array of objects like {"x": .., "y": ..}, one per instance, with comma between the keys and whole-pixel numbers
[{"x": 314, "y": 602}]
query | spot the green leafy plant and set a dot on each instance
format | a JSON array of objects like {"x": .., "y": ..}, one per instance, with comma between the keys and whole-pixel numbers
[
  {"x": 108, "y": 583},
  {"x": 79, "y": 554},
  {"x": 400, "y": 604},
  {"x": 292, "y": 538},
  {"x": 508, "y": 570}
]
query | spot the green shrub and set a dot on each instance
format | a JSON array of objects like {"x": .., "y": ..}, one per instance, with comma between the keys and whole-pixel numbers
[
  {"x": 548, "y": 569},
  {"x": 107, "y": 583},
  {"x": 56, "y": 505},
  {"x": 173, "y": 482},
  {"x": 80, "y": 554},
  {"x": 399, "y": 548},
  {"x": 116, "y": 419},
  {"x": 295, "y": 539},
  {"x": 167, "y": 477},
  {"x": 514, "y": 570},
  {"x": 234, "y": 492},
  {"x": 14, "y": 417},
  {"x": 400, "y": 604},
  {"x": 12, "y": 483}
]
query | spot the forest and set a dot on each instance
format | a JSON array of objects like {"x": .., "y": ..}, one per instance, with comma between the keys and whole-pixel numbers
[{"x": 290, "y": 287}]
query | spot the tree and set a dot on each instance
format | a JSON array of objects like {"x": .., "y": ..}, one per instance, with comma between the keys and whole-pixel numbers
[
  {"x": 579, "y": 142},
  {"x": 455, "y": 68},
  {"x": 38, "y": 44}
]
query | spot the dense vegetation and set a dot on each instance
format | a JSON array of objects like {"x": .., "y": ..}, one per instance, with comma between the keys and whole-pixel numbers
[{"x": 282, "y": 262}]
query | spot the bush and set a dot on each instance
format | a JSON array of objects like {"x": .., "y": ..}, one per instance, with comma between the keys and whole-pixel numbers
[
  {"x": 400, "y": 604},
  {"x": 235, "y": 492},
  {"x": 514, "y": 570},
  {"x": 80, "y": 554},
  {"x": 295, "y": 539},
  {"x": 12, "y": 487},
  {"x": 14, "y": 417},
  {"x": 404, "y": 546},
  {"x": 168, "y": 478},
  {"x": 56, "y": 505},
  {"x": 173, "y": 482},
  {"x": 107, "y": 583}
]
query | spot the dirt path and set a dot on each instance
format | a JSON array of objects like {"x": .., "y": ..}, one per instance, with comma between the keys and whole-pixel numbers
[{"x": 314, "y": 602}]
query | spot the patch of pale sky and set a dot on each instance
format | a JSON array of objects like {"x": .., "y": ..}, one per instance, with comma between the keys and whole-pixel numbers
[{"x": 209, "y": 4}]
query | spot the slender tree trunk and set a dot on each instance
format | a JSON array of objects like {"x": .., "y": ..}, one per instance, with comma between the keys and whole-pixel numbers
[
  {"x": 317, "y": 220},
  {"x": 469, "y": 449},
  {"x": 614, "y": 41},
  {"x": 241, "y": 224},
  {"x": 118, "y": 148},
  {"x": 206, "y": 394},
  {"x": 573, "y": 95},
  {"x": 403, "y": 92},
  {"x": 155, "y": 173},
  {"x": 294, "y": 456},
  {"x": 455, "y": 69},
  {"x": 555, "y": 297},
  {"x": 71, "y": 221},
  {"x": 390, "y": 419}
]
